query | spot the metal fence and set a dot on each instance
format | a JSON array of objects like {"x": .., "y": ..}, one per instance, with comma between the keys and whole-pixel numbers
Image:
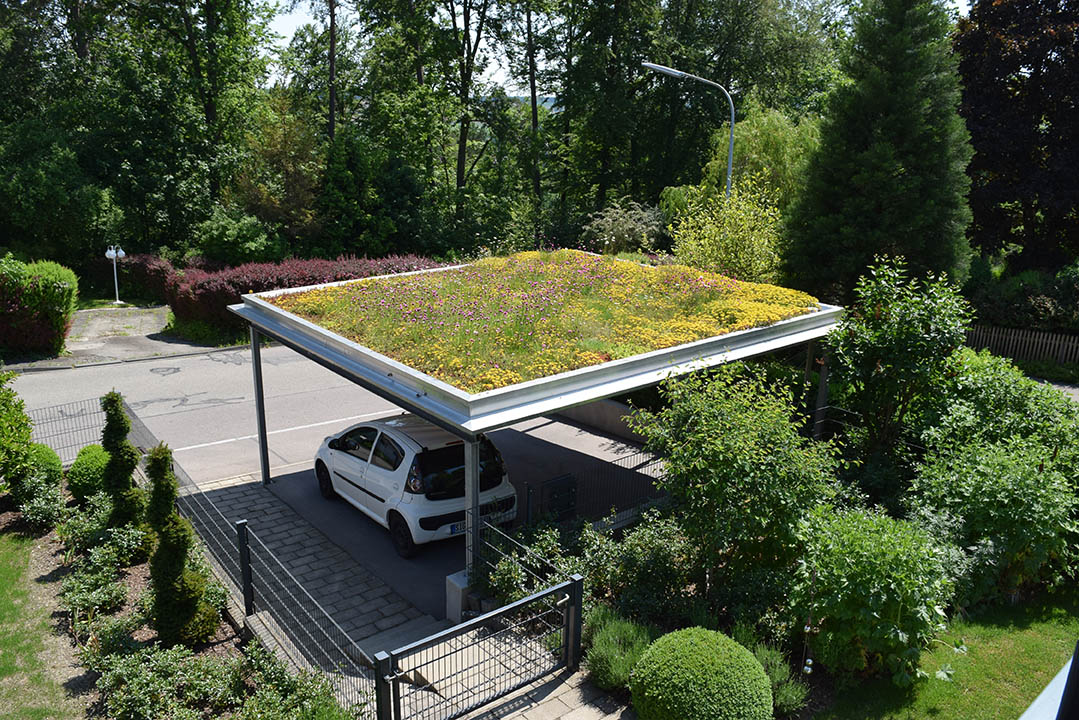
[
  {"x": 465, "y": 667},
  {"x": 611, "y": 491},
  {"x": 1031, "y": 345},
  {"x": 68, "y": 428}
]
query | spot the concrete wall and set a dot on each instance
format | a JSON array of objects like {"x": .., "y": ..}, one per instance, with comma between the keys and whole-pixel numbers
[{"x": 604, "y": 416}]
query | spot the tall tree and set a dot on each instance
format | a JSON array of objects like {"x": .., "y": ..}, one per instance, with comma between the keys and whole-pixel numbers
[
  {"x": 889, "y": 175},
  {"x": 1019, "y": 60}
]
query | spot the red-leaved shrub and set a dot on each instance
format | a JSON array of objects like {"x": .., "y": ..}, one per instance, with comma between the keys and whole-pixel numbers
[{"x": 198, "y": 295}]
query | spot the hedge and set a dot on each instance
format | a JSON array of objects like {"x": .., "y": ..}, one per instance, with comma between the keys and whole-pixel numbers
[
  {"x": 37, "y": 302},
  {"x": 204, "y": 296}
]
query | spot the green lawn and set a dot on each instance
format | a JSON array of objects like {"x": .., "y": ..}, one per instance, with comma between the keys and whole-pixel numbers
[
  {"x": 26, "y": 693},
  {"x": 1013, "y": 653}
]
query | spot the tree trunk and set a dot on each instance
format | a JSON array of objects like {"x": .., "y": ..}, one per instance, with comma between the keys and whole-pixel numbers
[
  {"x": 536, "y": 189},
  {"x": 332, "y": 119}
]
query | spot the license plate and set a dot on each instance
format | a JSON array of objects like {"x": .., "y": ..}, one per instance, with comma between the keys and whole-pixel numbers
[{"x": 457, "y": 528}]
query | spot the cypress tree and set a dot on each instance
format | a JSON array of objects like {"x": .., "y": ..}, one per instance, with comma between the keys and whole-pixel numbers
[
  {"x": 181, "y": 613},
  {"x": 889, "y": 177}
]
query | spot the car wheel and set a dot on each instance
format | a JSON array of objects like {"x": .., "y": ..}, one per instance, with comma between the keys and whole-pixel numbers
[
  {"x": 325, "y": 486},
  {"x": 401, "y": 536}
]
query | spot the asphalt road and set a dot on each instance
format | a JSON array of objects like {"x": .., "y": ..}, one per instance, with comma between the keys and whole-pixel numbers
[{"x": 203, "y": 407}]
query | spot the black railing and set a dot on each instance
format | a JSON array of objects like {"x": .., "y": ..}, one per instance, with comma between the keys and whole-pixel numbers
[{"x": 68, "y": 428}]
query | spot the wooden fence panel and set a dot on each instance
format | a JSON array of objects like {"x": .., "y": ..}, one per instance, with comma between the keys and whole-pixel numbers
[{"x": 1023, "y": 344}]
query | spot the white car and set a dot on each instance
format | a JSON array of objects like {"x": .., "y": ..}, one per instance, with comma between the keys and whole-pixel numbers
[{"x": 409, "y": 476}]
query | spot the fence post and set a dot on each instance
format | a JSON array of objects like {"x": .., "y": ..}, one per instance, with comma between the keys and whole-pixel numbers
[
  {"x": 575, "y": 622},
  {"x": 245, "y": 567},
  {"x": 383, "y": 693}
]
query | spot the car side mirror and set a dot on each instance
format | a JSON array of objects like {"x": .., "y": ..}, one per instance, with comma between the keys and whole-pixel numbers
[{"x": 334, "y": 444}]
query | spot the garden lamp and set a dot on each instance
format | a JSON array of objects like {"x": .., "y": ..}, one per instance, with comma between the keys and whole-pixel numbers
[
  {"x": 683, "y": 75},
  {"x": 114, "y": 253}
]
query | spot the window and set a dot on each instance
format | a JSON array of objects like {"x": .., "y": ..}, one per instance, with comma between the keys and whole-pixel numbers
[
  {"x": 388, "y": 454},
  {"x": 358, "y": 442},
  {"x": 443, "y": 470}
]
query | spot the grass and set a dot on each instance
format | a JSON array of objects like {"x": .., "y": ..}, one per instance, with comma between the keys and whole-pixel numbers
[
  {"x": 507, "y": 320},
  {"x": 203, "y": 333},
  {"x": 1013, "y": 653},
  {"x": 26, "y": 693},
  {"x": 94, "y": 303},
  {"x": 1067, "y": 373}
]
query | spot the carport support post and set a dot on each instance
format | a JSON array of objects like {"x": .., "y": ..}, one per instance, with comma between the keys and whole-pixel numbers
[
  {"x": 822, "y": 399},
  {"x": 260, "y": 404},
  {"x": 472, "y": 507}
]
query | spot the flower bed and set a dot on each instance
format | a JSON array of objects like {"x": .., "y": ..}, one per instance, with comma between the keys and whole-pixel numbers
[{"x": 502, "y": 321}]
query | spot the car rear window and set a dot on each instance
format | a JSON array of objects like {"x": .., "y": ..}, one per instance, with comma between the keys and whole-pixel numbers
[{"x": 443, "y": 470}]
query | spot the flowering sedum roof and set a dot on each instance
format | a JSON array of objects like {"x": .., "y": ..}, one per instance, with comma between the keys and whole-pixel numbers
[{"x": 502, "y": 321}]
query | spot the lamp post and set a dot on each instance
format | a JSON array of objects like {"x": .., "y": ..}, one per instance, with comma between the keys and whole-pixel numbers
[
  {"x": 114, "y": 253},
  {"x": 683, "y": 75}
]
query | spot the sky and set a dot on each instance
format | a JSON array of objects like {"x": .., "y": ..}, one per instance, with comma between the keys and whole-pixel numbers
[{"x": 285, "y": 24}]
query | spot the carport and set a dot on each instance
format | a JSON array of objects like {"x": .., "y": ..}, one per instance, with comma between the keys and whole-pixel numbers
[{"x": 466, "y": 414}]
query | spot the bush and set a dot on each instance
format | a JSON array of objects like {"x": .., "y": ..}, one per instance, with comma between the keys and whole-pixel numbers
[
  {"x": 235, "y": 239},
  {"x": 86, "y": 476},
  {"x": 199, "y": 295},
  {"x": 37, "y": 492},
  {"x": 698, "y": 674},
  {"x": 38, "y": 303},
  {"x": 616, "y": 644},
  {"x": 15, "y": 431},
  {"x": 740, "y": 470},
  {"x": 739, "y": 236},
  {"x": 144, "y": 277},
  {"x": 1013, "y": 509},
  {"x": 872, "y": 590},
  {"x": 894, "y": 344},
  {"x": 789, "y": 694},
  {"x": 127, "y": 500},
  {"x": 87, "y": 527},
  {"x": 625, "y": 226}
]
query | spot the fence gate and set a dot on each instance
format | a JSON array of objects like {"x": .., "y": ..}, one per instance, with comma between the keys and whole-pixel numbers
[{"x": 469, "y": 665}]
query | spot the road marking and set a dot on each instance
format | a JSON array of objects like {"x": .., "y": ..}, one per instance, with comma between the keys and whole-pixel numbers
[{"x": 383, "y": 413}]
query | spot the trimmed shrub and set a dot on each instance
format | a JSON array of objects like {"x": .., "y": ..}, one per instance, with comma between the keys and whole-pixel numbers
[
  {"x": 15, "y": 431},
  {"x": 37, "y": 302},
  {"x": 616, "y": 645},
  {"x": 198, "y": 295},
  {"x": 181, "y": 612},
  {"x": 871, "y": 589},
  {"x": 145, "y": 277},
  {"x": 127, "y": 500},
  {"x": 37, "y": 492},
  {"x": 698, "y": 674},
  {"x": 86, "y": 476},
  {"x": 1013, "y": 510}
]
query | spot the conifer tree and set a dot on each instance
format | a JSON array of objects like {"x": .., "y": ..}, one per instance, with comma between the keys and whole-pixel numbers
[
  {"x": 127, "y": 501},
  {"x": 181, "y": 613},
  {"x": 889, "y": 175}
]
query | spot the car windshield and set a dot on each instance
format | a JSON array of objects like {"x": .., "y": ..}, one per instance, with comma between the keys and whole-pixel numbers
[{"x": 443, "y": 470}]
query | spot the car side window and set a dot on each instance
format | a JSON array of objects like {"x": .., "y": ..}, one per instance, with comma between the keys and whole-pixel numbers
[
  {"x": 358, "y": 442},
  {"x": 388, "y": 454}
]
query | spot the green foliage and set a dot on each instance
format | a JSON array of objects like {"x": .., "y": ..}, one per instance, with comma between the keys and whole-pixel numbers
[
  {"x": 163, "y": 487},
  {"x": 893, "y": 344},
  {"x": 127, "y": 500},
  {"x": 93, "y": 588},
  {"x": 741, "y": 472},
  {"x": 181, "y": 611},
  {"x": 35, "y": 487},
  {"x": 888, "y": 177},
  {"x": 739, "y": 236},
  {"x": 1015, "y": 513},
  {"x": 47, "y": 462},
  {"x": 872, "y": 591},
  {"x": 15, "y": 430},
  {"x": 789, "y": 694},
  {"x": 770, "y": 146},
  {"x": 615, "y": 648},
  {"x": 698, "y": 674},
  {"x": 980, "y": 398},
  {"x": 88, "y": 526},
  {"x": 623, "y": 226},
  {"x": 234, "y": 239},
  {"x": 86, "y": 476}
]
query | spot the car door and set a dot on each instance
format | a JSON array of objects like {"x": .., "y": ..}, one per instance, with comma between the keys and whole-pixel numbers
[
  {"x": 350, "y": 462},
  {"x": 382, "y": 483}
]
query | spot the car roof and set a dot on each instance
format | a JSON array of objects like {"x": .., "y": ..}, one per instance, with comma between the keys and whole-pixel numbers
[{"x": 425, "y": 435}]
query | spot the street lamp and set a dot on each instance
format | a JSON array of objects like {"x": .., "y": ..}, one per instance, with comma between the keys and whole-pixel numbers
[
  {"x": 683, "y": 75},
  {"x": 114, "y": 253}
]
